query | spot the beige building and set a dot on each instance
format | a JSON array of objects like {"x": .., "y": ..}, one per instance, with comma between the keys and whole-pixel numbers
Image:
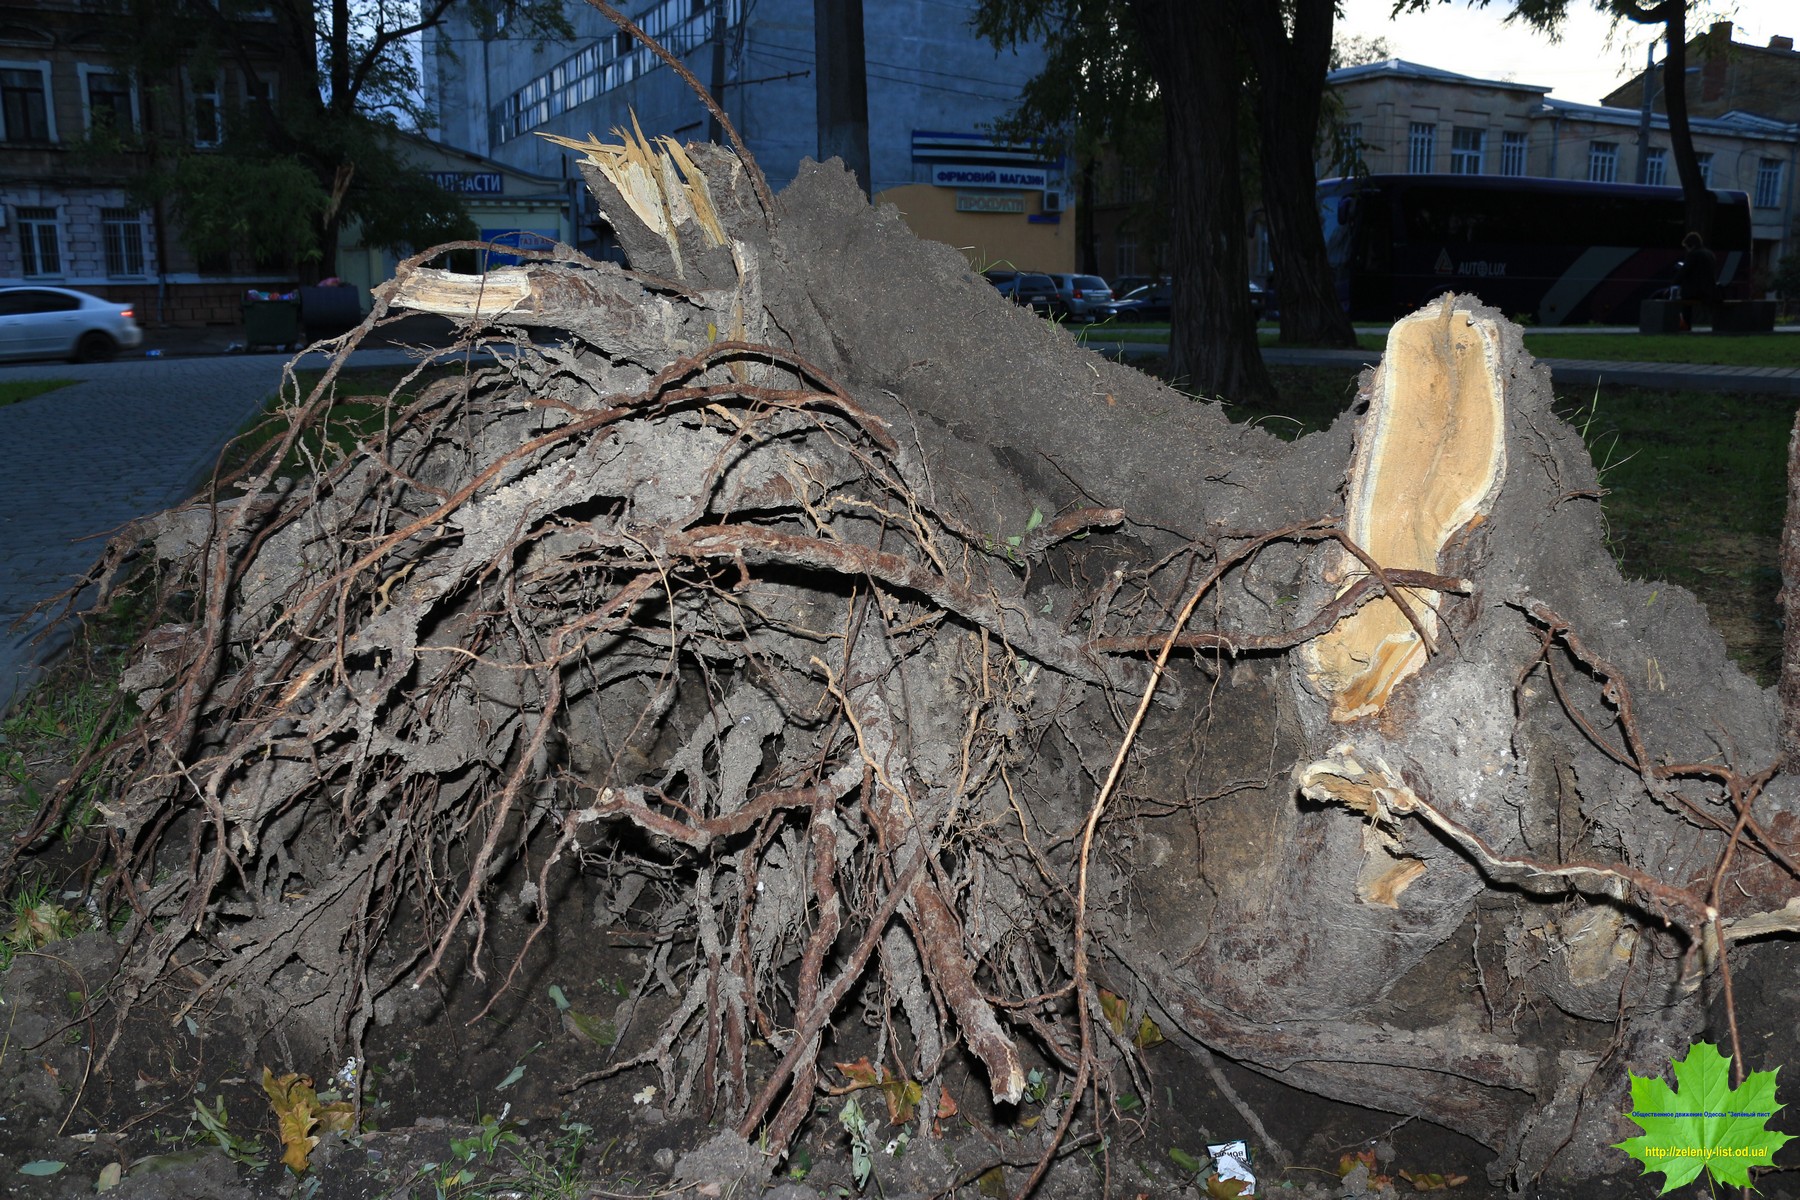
[{"x": 1406, "y": 118}]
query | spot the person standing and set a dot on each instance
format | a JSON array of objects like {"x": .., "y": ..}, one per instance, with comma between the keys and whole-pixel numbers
[{"x": 1697, "y": 277}]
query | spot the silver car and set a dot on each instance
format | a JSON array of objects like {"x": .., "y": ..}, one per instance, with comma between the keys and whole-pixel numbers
[
  {"x": 53, "y": 322},
  {"x": 1080, "y": 297}
]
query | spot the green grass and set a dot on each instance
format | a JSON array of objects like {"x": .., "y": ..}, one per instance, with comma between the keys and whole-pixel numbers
[
  {"x": 360, "y": 406},
  {"x": 1697, "y": 492},
  {"x": 1697, "y": 488},
  {"x": 1735, "y": 350},
  {"x": 12, "y": 391}
]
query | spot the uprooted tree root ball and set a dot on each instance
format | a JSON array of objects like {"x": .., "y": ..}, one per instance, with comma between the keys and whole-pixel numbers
[{"x": 922, "y": 688}]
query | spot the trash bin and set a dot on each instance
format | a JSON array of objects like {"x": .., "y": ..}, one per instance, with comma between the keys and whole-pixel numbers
[
  {"x": 272, "y": 323},
  {"x": 329, "y": 311}
]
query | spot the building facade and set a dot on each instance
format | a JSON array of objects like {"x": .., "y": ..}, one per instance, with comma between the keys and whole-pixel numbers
[
  {"x": 1729, "y": 76},
  {"x": 508, "y": 206},
  {"x": 1405, "y": 118},
  {"x": 934, "y": 89},
  {"x": 77, "y": 127}
]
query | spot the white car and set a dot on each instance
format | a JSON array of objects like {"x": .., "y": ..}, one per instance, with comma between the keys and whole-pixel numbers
[{"x": 53, "y": 322}]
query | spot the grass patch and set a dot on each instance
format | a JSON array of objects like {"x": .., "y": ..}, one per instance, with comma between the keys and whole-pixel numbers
[
  {"x": 362, "y": 399},
  {"x": 1697, "y": 488},
  {"x": 1697, "y": 495},
  {"x": 13, "y": 391},
  {"x": 1737, "y": 350}
]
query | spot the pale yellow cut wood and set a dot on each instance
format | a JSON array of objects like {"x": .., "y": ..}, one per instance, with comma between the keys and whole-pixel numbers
[
  {"x": 452, "y": 295},
  {"x": 1430, "y": 460}
]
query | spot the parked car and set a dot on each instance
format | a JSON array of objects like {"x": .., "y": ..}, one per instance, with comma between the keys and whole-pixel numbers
[
  {"x": 53, "y": 322},
  {"x": 1151, "y": 303},
  {"x": 1124, "y": 285},
  {"x": 1026, "y": 287},
  {"x": 1081, "y": 297},
  {"x": 1147, "y": 303}
]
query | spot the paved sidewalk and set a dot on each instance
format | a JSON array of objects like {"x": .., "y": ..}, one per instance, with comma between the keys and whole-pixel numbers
[{"x": 128, "y": 438}]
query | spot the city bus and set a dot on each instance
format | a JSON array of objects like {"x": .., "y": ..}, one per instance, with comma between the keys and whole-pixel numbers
[{"x": 1555, "y": 251}]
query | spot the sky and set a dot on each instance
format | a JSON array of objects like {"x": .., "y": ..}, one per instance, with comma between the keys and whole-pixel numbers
[{"x": 1590, "y": 60}]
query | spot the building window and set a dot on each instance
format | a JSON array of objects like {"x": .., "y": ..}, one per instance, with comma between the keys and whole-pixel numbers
[
  {"x": 1421, "y": 147},
  {"x": 25, "y": 104},
  {"x": 1704, "y": 159},
  {"x": 1656, "y": 166},
  {"x": 40, "y": 248},
  {"x": 1768, "y": 183},
  {"x": 1351, "y": 152},
  {"x": 110, "y": 103},
  {"x": 1466, "y": 147},
  {"x": 1128, "y": 184},
  {"x": 1125, "y": 259},
  {"x": 1603, "y": 162},
  {"x": 1512, "y": 153},
  {"x": 208, "y": 116},
  {"x": 123, "y": 229}
]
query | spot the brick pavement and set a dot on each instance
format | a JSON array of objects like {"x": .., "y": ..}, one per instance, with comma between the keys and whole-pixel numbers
[{"x": 126, "y": 439}]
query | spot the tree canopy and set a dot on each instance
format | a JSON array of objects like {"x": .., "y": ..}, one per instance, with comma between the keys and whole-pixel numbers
[{"x": 294, "y": 163}]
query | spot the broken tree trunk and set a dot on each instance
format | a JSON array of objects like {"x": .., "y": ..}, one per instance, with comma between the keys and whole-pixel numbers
[{"x": 793, "y": 570}]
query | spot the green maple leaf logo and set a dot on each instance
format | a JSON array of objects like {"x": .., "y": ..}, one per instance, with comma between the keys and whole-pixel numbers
[{"x": 1707, "y": 1124}]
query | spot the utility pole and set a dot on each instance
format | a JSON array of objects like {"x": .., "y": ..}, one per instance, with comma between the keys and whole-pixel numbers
[
  {"x": 842, "y": 85},
  {"x": 1643, "y": 163}
]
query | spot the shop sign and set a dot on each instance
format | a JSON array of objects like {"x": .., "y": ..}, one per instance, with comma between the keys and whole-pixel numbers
[
  {"x": 1018, "y": 179},
  {"x": 471, "y": 183},
  {"x": 981, "y": 202}
]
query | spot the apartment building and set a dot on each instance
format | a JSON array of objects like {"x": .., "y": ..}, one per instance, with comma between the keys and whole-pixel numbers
[
  {"x": 78, "y": 124},
  {"x": 934, "y": 89}
]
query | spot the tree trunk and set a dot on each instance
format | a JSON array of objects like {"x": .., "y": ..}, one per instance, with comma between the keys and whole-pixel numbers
[
  {"x": 836, "y": 621},
  {"x": 1290, "y": 66},
  {"x": 1212, "y": 336},
  {"x": 1673, "y": 15}
]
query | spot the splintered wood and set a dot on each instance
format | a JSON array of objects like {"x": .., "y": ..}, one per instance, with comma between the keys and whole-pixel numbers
[{"x": 1429, "y": 463}]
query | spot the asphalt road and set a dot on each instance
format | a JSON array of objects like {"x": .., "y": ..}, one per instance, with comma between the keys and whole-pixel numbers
[{"x": 126, "y": 439}]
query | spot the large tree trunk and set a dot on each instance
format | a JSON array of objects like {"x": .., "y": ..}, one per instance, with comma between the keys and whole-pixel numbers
[
  {"x": 1193, "y": 52},
  {"x": 1673, "y": 16},
  {"x": 797, "y": 571},
  {"x": 1291, "y": 51}
]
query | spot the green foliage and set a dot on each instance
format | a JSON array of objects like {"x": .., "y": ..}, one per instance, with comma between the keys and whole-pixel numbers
[
  {"x": 215, "y": 1123},
  {"x": 37, "y": 920},
  {"x": 262, "y": 209},
  {"x": 862, "y": 1151},
  {"x": 1705, "y": 1124}
]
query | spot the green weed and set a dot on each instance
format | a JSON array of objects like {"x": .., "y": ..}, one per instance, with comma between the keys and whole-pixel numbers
[
  {"x": 36, "y": 921},
  {"x": 12, "y": 391}
]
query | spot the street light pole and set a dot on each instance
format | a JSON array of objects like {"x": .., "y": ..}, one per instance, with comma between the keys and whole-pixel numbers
[{"x": 1643, "y": 147}]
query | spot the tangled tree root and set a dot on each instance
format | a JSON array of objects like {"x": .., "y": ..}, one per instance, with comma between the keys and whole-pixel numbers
[{"x": 819, "y": 646}]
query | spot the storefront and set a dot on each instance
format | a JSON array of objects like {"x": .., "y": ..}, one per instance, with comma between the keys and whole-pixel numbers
[
  {"x": 508, "y": 206},
  {"x": 1001, "y": 205}
]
